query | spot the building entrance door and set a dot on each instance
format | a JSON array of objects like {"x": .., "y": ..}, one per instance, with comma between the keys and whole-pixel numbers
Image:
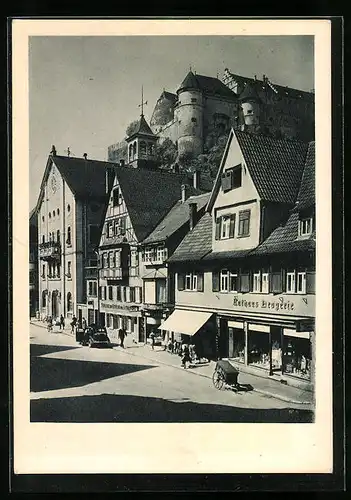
[{"x": 54, "y": 304}]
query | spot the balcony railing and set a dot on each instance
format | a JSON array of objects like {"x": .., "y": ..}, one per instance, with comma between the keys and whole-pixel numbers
[
  {"x": 91, "y": 272},
  {"x": 50, "y": 250}
]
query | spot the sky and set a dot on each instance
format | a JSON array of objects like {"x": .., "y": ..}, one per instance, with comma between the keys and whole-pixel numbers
[{"x": 84, "y": 91}]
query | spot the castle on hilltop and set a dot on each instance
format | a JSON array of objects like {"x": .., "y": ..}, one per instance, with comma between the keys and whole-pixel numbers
[{"x": 205, "y": 107}]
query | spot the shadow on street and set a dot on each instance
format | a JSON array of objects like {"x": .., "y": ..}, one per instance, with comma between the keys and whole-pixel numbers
[
  {"x": 48, "y": 374},
  {"x": 41, "y": 350},
  {"x": 129, "y": 408}
]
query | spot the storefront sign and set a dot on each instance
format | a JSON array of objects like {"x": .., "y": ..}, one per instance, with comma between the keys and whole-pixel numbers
[
  {"x": 120, "y": 308},
  {"x": 280, "y": 304}
]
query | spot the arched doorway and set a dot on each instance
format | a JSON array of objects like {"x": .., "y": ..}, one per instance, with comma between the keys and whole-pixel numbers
[{"x": 54, "y": 304}]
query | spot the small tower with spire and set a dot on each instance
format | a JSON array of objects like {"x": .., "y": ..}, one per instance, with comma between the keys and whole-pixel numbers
[
  {"x": 141, "y": 142},
  {"x": 250, "y": 105}
]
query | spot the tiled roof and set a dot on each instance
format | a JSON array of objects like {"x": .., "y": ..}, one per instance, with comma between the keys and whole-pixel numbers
[
  {"x": 85, "y": 178},
  {"x": 149, "y": 195},
  {"x": 280, "y": 89},
  {"x": 232, "y": 254},
  {"x": 141, "y": 128},
  {"x": 285, "y": 239},
  {"x": 197, "y": 243},
  {"x": 170, "y": 96},
  {"x": 164, "y": 109},
  {"x": 176, "y": 218},
  {"x": 306, "y": 196},
  {"x": 275, "y": 165},
  {"x": 207, "y": 84}
]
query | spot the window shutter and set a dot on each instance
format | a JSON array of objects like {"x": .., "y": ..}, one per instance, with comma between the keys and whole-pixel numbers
[
  {"x": 215, "y": 281},
  {"x": 200, "y": 282},
  {"x": 218, "y": 228},
  {"x": 181, "y": 281},
  {"x": 310, "y": 282},
  {"x": 245, "y": 282},
  {"x": 232, "y": 226},
  {"x": 283, "y": 275}
]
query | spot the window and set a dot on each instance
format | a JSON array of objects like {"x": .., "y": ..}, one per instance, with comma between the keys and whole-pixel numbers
[
  {"x": 233, "y": 282},
  {"x": 194, "y": 282},
  {"x": 290, "y": 282},
  {"x": 94, "y": 233},
  {"x": 193, "y": 99},
  {"x": 53, "y": 213},
  {"x": 115, "y": 197},
  {"x": 149, "y": 254},
  {"x": 265, "y": 283},
  {"x": 301, "y": 282},
  {"x": 111, "y": 263},
  {"x": 90, "y": 288},
  {"x": 58, "y": 212},
  {"x": 160, "y": 291},
  {"x": 69, "y": 302},
  {"x": 227, "y": 180},
  {"x": 277, "y": 282},
  {"x": 109, "y": 229},
  {"x": 224, "y": 281},
  {"x": 69, "y": 265},
  {"x": 194, "y": 120},
  {"x": 93, "y": 262},
  {"x": 133, "y": 258},
  {"x": 225, "y": 227},
  {"x": 180, "y": 281},
  {"x": 117, "y": 258},
  {"x": 43, "y": 218},
  {"x": 105, "y": 259},
  {"x": 68, "y": 236},
  {"x": 142, "y": 148},
  {"x": 43, "y": 239},
  {"x": 110, "y": 293},
  {"x": 160, "y": 254},
  {"x": 257, "y": 282},
  {"x": 305, "y": 226},
  {"x": 124, "y": 293},
  {"x": 118, "y": 293},
  {"x": 68, "y": 208},
  {"x": 188, "y": 282},
  {"x": 151, "y": 149},
  {"x": 43, "y": 298},
  {"x": 58, "y": 236},
  {"x": 58, "y": 270},
  {"x": 244, "y": 223},
  {"x": 43, "y": 271},
  {"x": 245, "y": 282},
  {"x": 236, "y": 176},
  {"x": 49, "y": 215}
]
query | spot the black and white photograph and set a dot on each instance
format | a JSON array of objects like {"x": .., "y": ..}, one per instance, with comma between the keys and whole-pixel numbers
[{"x": 172, "y": 233}]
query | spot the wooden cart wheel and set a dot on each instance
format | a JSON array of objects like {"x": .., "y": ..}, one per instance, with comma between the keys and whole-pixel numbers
[{"x": 218, "y": 380}]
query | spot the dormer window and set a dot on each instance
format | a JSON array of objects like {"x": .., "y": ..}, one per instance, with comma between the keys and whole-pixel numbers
[
  {"x": 231, "y": 178},
  {"x": 305, "y": 226},
  {"x": 225, "y": 227}
]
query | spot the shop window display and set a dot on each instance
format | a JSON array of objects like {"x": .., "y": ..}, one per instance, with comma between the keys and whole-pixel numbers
[
  {"x": 258, "y": 349},
  {"x": 297, "y": 357},
  {"x": 236, "y": 344}
]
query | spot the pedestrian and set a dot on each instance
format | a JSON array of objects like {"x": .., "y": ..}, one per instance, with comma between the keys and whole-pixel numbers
[
  {"x": 185, "y": 355},
  {"x": 152, "y": 337},
  {"x": 73, "y": 323},
  {"x": 62, "y": 322},
  {"x": 84, "y": 323},
  {"x": 49, "y": 324},
  {"x": 121, "y": 335}
]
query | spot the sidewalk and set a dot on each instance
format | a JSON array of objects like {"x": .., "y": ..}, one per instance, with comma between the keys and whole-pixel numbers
[{"x": 264, "y": 386}]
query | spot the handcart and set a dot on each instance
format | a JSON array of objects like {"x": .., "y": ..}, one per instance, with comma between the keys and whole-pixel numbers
[{"x": 224, "y": 375}]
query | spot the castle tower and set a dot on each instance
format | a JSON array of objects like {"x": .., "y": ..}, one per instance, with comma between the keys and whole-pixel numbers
[
  {"x": 250, "y": 105},
  {"x": 141, "y": 146},
  {"x": 189, "y": 115}
]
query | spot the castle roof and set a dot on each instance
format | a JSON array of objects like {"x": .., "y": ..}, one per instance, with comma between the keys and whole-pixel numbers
[
  {"x": 141, "y": 128},
  {"x": 306, "y": 196},
  {"x": 164, "y": 109},
  {"x": 206, "y": 84},
  {"x": 249, "y": 93}
]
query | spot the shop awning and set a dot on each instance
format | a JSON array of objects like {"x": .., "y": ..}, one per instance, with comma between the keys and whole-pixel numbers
[{"x": 187, "y": 322}]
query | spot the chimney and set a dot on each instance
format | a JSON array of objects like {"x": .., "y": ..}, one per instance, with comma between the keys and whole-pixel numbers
[
  {"x": 121, "y": 162},
  {"x": 53, "y": 151},
  {"x": 192, "y": 215},
  {"x": 85, "y": 156},
  {"x": 185, "y": 192},
  {"x": 196, "y": 179}
]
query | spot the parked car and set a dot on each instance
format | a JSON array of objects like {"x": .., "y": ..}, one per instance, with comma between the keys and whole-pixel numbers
[{"x": 97, "y": 337}]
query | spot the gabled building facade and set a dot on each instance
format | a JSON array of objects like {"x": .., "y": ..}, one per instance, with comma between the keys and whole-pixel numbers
[
  {"x": 155, "y": 249},
  {"x": 253, "y": 252},
  {"x": 69, "y": 209},
  {"x": 139, "y": 199}
]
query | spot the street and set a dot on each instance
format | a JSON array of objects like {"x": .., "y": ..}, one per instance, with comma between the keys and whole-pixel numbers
[{"x": 70, "y": 383}]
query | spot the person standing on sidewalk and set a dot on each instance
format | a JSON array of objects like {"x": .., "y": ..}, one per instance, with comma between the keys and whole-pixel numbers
[
  {"x": 185, "y": 355},
  {"x": 84, "y": 324},
  {"x": 121, "y": 335},
  {"x": 73, "y": 323},
  {"x": 152, "y": 337},
  {"x": 62, "y": 322}
]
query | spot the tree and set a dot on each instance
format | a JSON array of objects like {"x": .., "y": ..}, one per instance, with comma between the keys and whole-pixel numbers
[
  {"x": 166, "y": 153},
  {"x": 131, "y": 127}
]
